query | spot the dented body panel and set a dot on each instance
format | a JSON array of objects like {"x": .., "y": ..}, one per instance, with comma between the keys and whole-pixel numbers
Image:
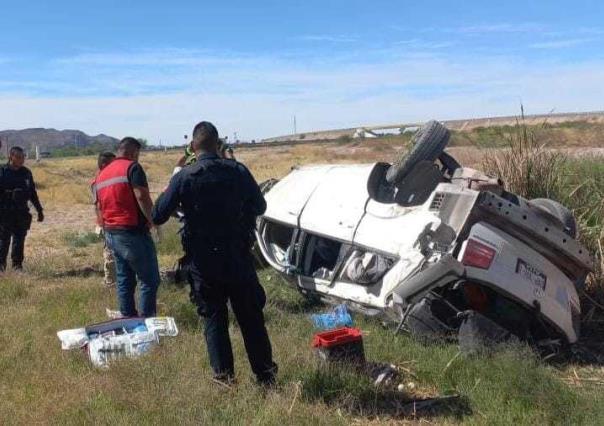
[
  {"x": 342, "y": 188},
  {"x": 325, "y": 233}
]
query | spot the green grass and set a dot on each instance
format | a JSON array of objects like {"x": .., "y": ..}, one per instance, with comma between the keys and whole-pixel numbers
[
  {"x": 81, "y": 239},
  {"x": 170, "y": 244},
  {"x": 484, "y": 137},
  {"x": 42, "y": 384},
  {"x": 566, "y": 134}
]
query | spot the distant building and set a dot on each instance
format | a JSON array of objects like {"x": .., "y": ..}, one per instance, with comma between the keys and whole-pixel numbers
[
  {"x": 364, "y": 133},
  {"x": 410, "y": 129}
]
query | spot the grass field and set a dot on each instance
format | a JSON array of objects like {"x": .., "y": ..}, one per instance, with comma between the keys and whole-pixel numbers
[{"x": 62, "y": 288}]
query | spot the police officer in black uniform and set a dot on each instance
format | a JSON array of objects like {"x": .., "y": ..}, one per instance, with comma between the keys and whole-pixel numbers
[
  {"x": 17, "y": 189},
  {"x": 220, "y": 200}
]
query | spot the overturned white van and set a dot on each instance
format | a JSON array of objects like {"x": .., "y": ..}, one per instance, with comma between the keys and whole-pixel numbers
[{"x": 441, "y": 249}]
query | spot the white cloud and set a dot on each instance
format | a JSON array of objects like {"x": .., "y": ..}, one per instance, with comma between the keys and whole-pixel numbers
[
  {"x": 522, "y": 27},
  {"x": 594, "y": 31},
  {"x": 162, "y": 94},
  {"x": 561, "y": 44},
  {"x": 330, "y": 38},
  {"x": 422, "y": 45},
  {"x": 154, "y": 57}
]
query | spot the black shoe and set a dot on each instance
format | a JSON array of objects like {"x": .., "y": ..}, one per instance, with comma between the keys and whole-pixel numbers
[
  {"x": 226, "y": 380},
  {"x": 268, "y": 378},
  {"x": 267, "y": 382},
  {"x": 17, "y": 267}
]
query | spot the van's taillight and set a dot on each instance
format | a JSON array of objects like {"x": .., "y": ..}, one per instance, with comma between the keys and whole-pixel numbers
[{"x": 478, "y": 255}]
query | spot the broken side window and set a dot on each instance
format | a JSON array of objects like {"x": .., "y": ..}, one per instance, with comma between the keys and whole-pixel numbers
[
  {"x": 325, "y": 259},
  {"x": 279, "y": 240},
  {"x": 321, "y": 257},
  {"x": 365, "y": 267}
]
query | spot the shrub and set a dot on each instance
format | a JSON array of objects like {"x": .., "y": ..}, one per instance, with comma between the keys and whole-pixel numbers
[
  {"x": 527, "y": 167},
  {"x": 532, "y": 170}
]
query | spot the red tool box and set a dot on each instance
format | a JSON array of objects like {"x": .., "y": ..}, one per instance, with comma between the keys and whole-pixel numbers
[{"x": 340, "y": 345}]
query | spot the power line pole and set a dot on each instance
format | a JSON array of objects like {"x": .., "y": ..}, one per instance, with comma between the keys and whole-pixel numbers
[{"x": 295, "y": 126}]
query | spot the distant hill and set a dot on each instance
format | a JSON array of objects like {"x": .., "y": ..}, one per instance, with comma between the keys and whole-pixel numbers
[{"x": 52, "y": 140}]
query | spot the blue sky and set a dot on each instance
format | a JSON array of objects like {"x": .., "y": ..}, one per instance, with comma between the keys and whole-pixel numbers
[{"x": 154, "y": 68}]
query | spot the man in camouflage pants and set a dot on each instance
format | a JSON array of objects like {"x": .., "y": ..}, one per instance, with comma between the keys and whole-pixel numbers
[{"x": 108, "y": 262}]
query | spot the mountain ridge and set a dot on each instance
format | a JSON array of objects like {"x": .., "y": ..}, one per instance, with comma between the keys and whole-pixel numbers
[{"x": 49, "y": 139}]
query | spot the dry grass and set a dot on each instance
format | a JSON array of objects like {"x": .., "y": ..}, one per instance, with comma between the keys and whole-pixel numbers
[{"x": 60, "y": 289}]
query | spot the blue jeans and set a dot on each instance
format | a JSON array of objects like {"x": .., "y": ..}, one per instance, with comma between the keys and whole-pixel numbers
[{"x": 135, "y": 256}]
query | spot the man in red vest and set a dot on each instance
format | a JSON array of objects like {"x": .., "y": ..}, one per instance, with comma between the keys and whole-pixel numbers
[{"x": 124, "y": 207}]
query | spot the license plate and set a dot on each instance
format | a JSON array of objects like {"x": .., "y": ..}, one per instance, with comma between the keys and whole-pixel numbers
[{"x": 531, "y": 274}]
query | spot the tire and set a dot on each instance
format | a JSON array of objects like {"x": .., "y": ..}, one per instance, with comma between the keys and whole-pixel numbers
[
  {"x": 561, "y": 214},
  {"x": 426, "y": 320},
  {"x": 479, "y": 334},
  {"x": 429, "y": 142}
]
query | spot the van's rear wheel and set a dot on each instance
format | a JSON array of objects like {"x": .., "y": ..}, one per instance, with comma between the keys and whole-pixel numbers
[
  {"x": 429, "y": 142},
  {"x": 427, "y": 319},
  {"x": 561, "y": 214}
]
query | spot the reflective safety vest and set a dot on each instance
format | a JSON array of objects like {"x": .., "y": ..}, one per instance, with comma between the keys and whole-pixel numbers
[{"x": 114, "y": 196}]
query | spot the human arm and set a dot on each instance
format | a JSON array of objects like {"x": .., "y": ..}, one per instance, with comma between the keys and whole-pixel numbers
[
  {"x": 230, "y": 154},
  {"x": 97, "y": 210},
  {"x": 99, "y": 215},
  {"x": 140, "y": 188},
  {"x": 255, "y": 203},
  {"x": 33, "y": 197},
  {"x": 143, "y": 198},
  {"x": 167, "y": 202}
]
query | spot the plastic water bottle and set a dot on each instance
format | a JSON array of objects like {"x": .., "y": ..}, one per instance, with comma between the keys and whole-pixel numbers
[
  {"x": 339, "y": 317},
  {"x": 141, "y": 328}
]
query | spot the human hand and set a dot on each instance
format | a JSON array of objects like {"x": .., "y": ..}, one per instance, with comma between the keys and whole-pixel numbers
[{"x": 40, "y": 216}]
